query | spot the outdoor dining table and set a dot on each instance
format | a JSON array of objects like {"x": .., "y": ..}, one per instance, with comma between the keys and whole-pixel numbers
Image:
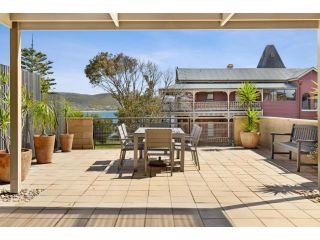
[{"x": 177, "y": 133}]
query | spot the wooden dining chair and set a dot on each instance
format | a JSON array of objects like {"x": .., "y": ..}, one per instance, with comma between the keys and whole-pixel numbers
[{"x": 158, "y": 142}]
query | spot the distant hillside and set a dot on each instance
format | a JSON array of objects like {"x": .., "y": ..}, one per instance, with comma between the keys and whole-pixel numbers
[{"x": 86, "y": 102}]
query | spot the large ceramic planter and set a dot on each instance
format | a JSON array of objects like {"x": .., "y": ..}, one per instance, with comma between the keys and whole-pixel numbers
[
  {"x": 249, "y": 139},
  {"x": 66, "y": 141},
  {"x": 26, "y": 158},
  {"x": 44, "y": 146}
]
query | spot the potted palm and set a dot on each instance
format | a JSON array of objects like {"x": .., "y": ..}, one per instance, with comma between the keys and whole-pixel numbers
[
  {"x": 248, "y": 94},
  {"x": 66, "y": 139},
  {"x": 43, "y": 119},
  {"x": 26, "y": 154}
]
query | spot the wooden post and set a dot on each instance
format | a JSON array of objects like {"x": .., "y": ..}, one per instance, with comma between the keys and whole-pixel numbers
[
  {"x": 318, "y": 76},
  {"x": 15, "y": 108}
]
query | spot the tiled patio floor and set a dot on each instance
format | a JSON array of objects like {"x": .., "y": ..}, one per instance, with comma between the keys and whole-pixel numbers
[{"x": 235, "y": 187}]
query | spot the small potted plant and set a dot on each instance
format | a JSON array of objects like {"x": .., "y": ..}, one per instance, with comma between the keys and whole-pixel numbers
[
  {"x": 26, "y": 154},
  {"x": 66, "y": 139},
  {"x": 43, "y": 119},
  {"x": 248, "y": 94}
]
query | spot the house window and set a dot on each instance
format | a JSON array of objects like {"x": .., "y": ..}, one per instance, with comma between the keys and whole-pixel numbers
[
  {"x": 210, "y": 96},
  {"x": 306, "y": 101},
  {"x": 279, "y": 95},
  {"x": 290, "y": 95}
]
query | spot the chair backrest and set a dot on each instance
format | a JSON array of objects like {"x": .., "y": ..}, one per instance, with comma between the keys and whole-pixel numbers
[
  {"x": 158, "y": 138},
  {"x": 304, "y": 132},
  {"x": 124, "y": 129},
  {"x": 194, "y": 127},
  {"x": 196, "y": 136},
  {"x": 121, "y": 134}
]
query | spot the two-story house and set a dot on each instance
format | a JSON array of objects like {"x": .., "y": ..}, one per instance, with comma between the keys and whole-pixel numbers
[{"x": 208, "y": 96}]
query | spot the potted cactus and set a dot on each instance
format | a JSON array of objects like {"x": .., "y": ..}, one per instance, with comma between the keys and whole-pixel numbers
[
  {"x": 26, "y": 155},
  {"x": 66, "y": 139},
  {"x": 248, "y": 94},
  {"x": 43, "y": 120}
]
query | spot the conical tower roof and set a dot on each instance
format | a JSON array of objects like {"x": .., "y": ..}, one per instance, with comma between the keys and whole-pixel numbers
[{"x": 270, "y": 58}]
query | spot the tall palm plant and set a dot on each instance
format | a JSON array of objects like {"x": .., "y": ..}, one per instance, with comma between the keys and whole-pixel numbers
[
  {"x": 249, "y": 94},
  {"x": 43, "y": 116}
]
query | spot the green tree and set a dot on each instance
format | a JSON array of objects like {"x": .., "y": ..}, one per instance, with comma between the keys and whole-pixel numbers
[
  {"x": 37, "y": 62},
  {"x": 133, "y": 84}
]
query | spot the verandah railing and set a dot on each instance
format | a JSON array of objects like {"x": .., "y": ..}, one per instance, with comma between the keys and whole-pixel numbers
[
  {"x": 105, "y": 130},
  {"x": 207, "y": 106}
]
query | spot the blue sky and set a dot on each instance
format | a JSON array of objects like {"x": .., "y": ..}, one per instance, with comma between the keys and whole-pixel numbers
[{"x": 71, "y": 50}]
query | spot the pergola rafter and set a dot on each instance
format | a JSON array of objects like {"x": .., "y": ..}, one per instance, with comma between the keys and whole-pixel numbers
[
  {"x": 225, "y": 18},
  {"x": 115, "y": 18}
]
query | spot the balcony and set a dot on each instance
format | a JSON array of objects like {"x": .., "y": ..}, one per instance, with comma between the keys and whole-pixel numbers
[{"x": 207, "y": 106}]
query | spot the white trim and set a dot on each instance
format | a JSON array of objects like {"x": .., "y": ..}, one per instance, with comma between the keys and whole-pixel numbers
[{"x": 309, "y": 110}]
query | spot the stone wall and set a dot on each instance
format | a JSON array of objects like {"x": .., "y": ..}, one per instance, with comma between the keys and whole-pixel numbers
[{"x": 82, "y": 128}]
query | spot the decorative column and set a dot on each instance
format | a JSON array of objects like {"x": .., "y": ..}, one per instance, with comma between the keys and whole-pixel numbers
[
  {"x": 228, "y": 113},
  {"x": 261, "y": 94},
  {"x": 15, "y": 108},
  {"x": 193, "y": 105}
]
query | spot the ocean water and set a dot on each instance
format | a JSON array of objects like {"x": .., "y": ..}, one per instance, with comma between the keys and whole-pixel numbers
[{"x": 102, "y": 114}]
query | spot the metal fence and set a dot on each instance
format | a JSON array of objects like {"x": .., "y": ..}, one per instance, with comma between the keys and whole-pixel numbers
[
  {"x": 31, "y": 83},
  {"x": 105, "y": 130}
]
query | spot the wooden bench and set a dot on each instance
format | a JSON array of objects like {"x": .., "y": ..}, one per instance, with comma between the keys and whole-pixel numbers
[{"x": 303, "y": 140}]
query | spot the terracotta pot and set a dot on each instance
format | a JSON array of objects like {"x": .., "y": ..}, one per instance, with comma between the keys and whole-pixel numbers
[
  {"x": 44, "y": 146},
  {"x": 26, "y": 157},
  {"x": 66, "y": 141},
  {"x": 249, "y": 139}
]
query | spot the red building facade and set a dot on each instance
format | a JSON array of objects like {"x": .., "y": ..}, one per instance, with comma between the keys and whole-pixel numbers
[{"x": 209, "y": 95}]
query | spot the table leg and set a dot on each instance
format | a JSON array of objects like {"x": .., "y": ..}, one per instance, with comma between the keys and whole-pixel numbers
[
  {"x": 135, "y": 152},
  {"x": 183, "y": 141}
]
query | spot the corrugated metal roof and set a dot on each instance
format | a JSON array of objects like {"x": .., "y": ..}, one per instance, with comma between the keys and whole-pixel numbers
[
  {"x": 209, "y": 86},
  {"x": 239, "y": 74}
]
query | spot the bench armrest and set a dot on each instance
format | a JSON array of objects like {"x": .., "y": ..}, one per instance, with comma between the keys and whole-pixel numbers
[
  {"x": 283, "y": 134},
  {"x": 306, "y": 141}
]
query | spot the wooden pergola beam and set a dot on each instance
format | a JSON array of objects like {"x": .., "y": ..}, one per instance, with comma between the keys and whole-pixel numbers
[
  {"x": 162, "y": 17},
  {"x": 5, "y": 19},
  {"x": 157, "y": 25}
]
